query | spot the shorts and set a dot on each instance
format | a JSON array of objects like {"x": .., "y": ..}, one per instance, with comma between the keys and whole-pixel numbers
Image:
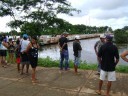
[
  {"x": 3, "y": 52},
  {"x": 33, "y": 62},
  {"x": 76, "y": 60},
  {"x": 24, "y": 58},
  {"x": 18, "y": 60},
  {"x": 11, "y": 51},
  {"x": 110, "y": 76}
]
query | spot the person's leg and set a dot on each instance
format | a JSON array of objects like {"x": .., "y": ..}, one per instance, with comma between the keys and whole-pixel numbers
[
  {"x": 61, "y": 60},
  {"x": 18, "y": 67},
  {"x": 0, "y": 60},
  {"x": 100, "y": 85},
  {"x": 22, "y": 68},
  {"x": 76, "y": 64},
  {"x": 66, "y": 57},
  {"x": 108, "y": 87},
  {"x": 4, "y": 61},
  {"x": 98, "y": 67},
  {"x": 111, "y": 77},
  {"x": 33, "y": 74},
  {"x": 12, "y": 55},
  {"x": 27, "y": 68},
  {"x": 102, "y": 78}
]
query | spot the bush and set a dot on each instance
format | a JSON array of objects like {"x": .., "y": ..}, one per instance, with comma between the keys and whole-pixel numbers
[
  {"x": 121, "y": 36},
  {"x": 48, "y": 62}
]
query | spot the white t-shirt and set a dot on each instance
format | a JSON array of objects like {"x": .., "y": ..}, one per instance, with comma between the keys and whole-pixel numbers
[
  {"x": 24, "y": 44},
  {"x": 2, "y": 47}
]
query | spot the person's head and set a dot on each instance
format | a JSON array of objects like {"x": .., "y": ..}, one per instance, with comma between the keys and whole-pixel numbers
[
  {"x": 10, "y": 39},
  {"x": 102, "y": 38},
  {"x": 34, "y": 39},
  {"x": 25, "y": 36},
  {"x": 65, "y": 34},
  {"x": 77, "y": 38},
  {"x": 109, "y": 38},
  {"x": 18, "y": 41}
]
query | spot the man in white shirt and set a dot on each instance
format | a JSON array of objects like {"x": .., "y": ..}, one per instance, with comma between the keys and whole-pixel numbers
[{"x": 24, "y": 56}]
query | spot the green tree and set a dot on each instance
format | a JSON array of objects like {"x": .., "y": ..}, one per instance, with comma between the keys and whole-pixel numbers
[{"x": 41, "y": 13}]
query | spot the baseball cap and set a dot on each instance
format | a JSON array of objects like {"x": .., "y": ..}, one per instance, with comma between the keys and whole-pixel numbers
[
  {"x": 109, "y": 37},
  {"x": 102, "y": 36},
  {"x": 77, "y": 37},
  {"x": 25, "y": 36}
]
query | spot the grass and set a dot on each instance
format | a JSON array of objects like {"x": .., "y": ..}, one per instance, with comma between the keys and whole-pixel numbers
[{"x": 48, "y": 62}]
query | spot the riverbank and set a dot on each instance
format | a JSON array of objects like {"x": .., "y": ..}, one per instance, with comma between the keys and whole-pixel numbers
[
  {"x": 48, "y": 39},
  {"x": 48, "y": 62}
]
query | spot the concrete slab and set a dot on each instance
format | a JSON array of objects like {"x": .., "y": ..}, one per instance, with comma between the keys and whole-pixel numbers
[
  {"x": 55, "y": 92},
  {"x": 69, "y": 80},
  {"x": 53, "y": 82},
  {"x": 20, "y": 89},
  {"x": 4, "y": 83}
]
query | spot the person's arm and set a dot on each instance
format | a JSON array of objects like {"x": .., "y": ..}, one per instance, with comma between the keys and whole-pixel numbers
[
  {"x": 65, "y": 42},
  {"x": 38, "y": 45},
  {"x": 99, "y": 54},
  {"x": 95, "y": 46},
  {"x": 117, "y": 56},
  {"x": 5, "y": 44},
  {"x": 123, "y": 56},
  {"x": 79, "y": 46}
]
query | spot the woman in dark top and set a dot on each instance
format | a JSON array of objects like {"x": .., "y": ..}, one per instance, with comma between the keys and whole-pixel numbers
[{"x": 32, "y": 50}]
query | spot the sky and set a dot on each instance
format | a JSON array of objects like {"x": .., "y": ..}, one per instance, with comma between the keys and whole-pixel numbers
[{"x": 112, "y": 13}]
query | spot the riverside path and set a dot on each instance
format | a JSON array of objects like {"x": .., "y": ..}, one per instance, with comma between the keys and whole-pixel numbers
[{"x": 53, "y": 82}]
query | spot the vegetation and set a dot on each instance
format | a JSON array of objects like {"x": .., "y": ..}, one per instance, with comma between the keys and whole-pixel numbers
[
  {"x": 121, "y": 35},
  {"x": 48, "y": 62},
  {"x": 36, "y": 16},
  {"x": 39, "y": 17}
]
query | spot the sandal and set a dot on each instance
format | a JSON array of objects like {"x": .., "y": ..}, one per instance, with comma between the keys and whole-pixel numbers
[{"x": 98, "y": 92}]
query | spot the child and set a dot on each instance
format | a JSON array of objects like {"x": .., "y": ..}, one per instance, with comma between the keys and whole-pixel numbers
[{"x": 17, "y": 52}]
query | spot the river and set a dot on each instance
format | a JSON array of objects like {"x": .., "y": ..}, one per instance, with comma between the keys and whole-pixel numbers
[{"x": 88, "y": 53}]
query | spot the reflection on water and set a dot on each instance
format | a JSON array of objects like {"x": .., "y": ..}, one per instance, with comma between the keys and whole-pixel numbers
[{"x": 88, "y": 53}]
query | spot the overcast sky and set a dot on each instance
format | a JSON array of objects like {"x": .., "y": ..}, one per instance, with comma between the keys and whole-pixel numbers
[{"x": 113, "y": 13}]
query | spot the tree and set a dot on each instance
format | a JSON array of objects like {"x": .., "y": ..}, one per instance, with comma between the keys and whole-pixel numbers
[
  {"x": 38, "y": 14},
  {"x": 121, "y": 35}
]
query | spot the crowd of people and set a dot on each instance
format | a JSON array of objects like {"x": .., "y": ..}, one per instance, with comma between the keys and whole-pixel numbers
[
  {"x": 107, "y": 57},
  {"x": 25, "y": 50}
]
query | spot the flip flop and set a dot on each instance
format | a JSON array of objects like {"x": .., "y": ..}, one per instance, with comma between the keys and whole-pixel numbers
[{"x": 98, "y": 92}]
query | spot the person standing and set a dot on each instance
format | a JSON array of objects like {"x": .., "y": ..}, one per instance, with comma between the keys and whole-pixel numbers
[
  {"x": 17, "y": 54},
  {"x": 64, "y": 55},
  {"x": 3, "y": 52},
  {"x": 97, "y": 46},
  {"x": 11, "y": 50},
  {"x": 77, "y": 53},
  {"x": 108, "y": 57},
  {"x": 24, "y": 55},
  {"x": 123, "y": 56},
  {"x": 32, "y": 51}
]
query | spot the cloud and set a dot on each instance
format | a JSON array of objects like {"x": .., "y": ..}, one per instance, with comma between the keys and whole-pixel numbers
[
  {"x": 109, "y": 14},
  {"x": 3, "y": 22},
  {"x": 101, "y": 9}
]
